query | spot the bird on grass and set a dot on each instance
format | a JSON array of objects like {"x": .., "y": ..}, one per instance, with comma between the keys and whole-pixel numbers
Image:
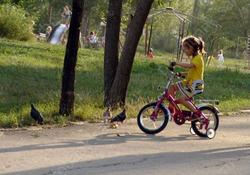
[
  {"x": 36, "y": 115},
  {"x": 119, "y": 118}
]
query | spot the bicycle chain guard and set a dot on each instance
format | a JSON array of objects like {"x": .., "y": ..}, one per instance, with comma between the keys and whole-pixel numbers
[{"x": 179, "y": 120}]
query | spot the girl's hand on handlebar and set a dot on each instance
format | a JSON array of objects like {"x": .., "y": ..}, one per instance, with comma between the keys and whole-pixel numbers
[
  {"x": 173, "y": 64},
  {"x": 181, "y": 75}
]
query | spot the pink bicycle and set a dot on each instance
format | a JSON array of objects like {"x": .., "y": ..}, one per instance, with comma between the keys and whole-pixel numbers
[{"x": 154, "y": 117}]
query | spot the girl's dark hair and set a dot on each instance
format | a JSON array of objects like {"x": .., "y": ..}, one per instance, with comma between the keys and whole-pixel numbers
[{"x": 197, "y": 44}]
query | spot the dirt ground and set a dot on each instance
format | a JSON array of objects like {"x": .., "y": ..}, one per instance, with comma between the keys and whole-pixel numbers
[{"x": 95, "y": 149}]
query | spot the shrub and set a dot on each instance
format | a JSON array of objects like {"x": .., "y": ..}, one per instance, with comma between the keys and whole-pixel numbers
[{"x": 14, "y": 23}]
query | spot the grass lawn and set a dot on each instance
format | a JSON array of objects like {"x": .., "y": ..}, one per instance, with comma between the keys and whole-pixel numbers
[{"x": 31, "y": 72}]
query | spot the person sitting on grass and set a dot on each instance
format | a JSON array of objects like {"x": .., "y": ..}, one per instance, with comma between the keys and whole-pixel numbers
[
  {"x": 93, "y": 40},
  {"x": 48, "y": 32},
  {"x": 193, "y": 83}
]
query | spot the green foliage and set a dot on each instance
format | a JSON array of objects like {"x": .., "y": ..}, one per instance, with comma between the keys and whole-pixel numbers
[
  {"x": 232, "y": 19},
  {"x": 232, "y": 16},
  {"x": 39, "y": 10},
  {"x": 166, "y": 26},
  {"x": 14, "y": 23},
  {"x": 96, "y": 10},
  {"x": 218, "y": 22}
]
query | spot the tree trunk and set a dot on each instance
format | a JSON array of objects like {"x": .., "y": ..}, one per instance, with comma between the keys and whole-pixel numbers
[
  {"x": 111, "y": 52},
  {"x": 196, "y": 10},
  {"x": 146, "y": 39},
  {"x": 85, "y": 22},
  {"x": 50, "y": 13},
  {"x": 70, "y": 59},
  {"x": 120, "y": 84},
  {"x": 150, "y": 36},
  {"x": 84, "y": 27}
]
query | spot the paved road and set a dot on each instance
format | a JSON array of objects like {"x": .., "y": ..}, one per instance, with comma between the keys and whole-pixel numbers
[{"x": 92, "y": 149}]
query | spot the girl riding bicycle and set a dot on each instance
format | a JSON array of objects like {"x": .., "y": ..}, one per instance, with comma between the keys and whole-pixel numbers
[{"x": 193, "y": 83}]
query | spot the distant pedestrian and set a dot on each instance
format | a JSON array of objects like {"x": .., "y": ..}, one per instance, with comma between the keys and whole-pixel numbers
[
  {"x": 150, "y": 54},
  {"x": 220, "y": 57},
  {"x": 66, "y": 15}
]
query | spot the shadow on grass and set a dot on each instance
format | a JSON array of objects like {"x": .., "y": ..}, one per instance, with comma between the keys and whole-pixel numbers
[
  {"x": 23, "y": 46},
  {"x": 22, "y": 84}
]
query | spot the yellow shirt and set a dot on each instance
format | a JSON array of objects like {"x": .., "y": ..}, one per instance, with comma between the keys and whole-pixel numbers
[{"x": 195, "y": 73}]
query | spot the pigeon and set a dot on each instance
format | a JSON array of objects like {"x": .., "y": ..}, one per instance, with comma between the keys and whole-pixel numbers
[
  {"x": 120, "y": 117},
  {"x": 36, "y": 115}
]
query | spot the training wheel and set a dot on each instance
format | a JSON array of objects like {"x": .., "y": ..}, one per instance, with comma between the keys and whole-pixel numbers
[
  {"x": 192, "y": 131},
  {"x": 211, "y": 133}
]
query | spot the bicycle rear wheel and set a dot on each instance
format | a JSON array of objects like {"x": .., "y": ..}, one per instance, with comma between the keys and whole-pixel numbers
[{"x": 213, "y": 118}]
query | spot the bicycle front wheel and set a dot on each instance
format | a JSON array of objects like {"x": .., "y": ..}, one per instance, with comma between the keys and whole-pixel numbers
[{"x": 151, "y": 121}]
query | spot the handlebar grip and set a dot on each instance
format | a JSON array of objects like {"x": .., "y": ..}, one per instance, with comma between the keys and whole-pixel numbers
[
  {"x": 180, "y": 75},
  {"x": 173, "y": 64},
  {"x": 171, "y": 68}
]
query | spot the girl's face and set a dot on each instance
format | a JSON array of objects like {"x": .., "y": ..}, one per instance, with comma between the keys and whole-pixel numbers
[{"x": 187, "y": 49}]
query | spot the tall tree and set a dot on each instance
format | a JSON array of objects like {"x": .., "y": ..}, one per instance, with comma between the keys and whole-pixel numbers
[
  {"x": 111, "y": 53},
  {"x": 70, "y": 59},
  {"x": 88, "y": 6},
  {"x": 85, "y": 21},
  {"x": 119, "y": 87},
  {"x": 196, "y": 9}
]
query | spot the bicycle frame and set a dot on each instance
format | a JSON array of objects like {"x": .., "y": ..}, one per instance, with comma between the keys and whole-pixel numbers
[
  {"x": 174, "y": 102},
  {"x": 154, "y": 116}
]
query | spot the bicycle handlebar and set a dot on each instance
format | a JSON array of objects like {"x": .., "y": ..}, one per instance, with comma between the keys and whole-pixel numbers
[{"x": 171, "y": 67}]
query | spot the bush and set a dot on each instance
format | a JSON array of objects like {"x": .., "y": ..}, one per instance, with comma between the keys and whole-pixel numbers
[{"x": 14, "y": 23}]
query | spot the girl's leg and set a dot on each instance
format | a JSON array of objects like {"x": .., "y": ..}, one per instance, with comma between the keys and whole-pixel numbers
[
  {"x": 187, "y": 104},
  {"x": 191, "y": 107},
  {"x": 172, "y": 91}
]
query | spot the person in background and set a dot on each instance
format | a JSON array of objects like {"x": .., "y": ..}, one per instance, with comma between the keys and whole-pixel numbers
[
  {"x": 92, "y": 40},
  {"x": 48, "y": 32},
  {"x": 220, "y": 57},
  {"x": 150, "y": 54},
  {"x": 66, "y": 15}
]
